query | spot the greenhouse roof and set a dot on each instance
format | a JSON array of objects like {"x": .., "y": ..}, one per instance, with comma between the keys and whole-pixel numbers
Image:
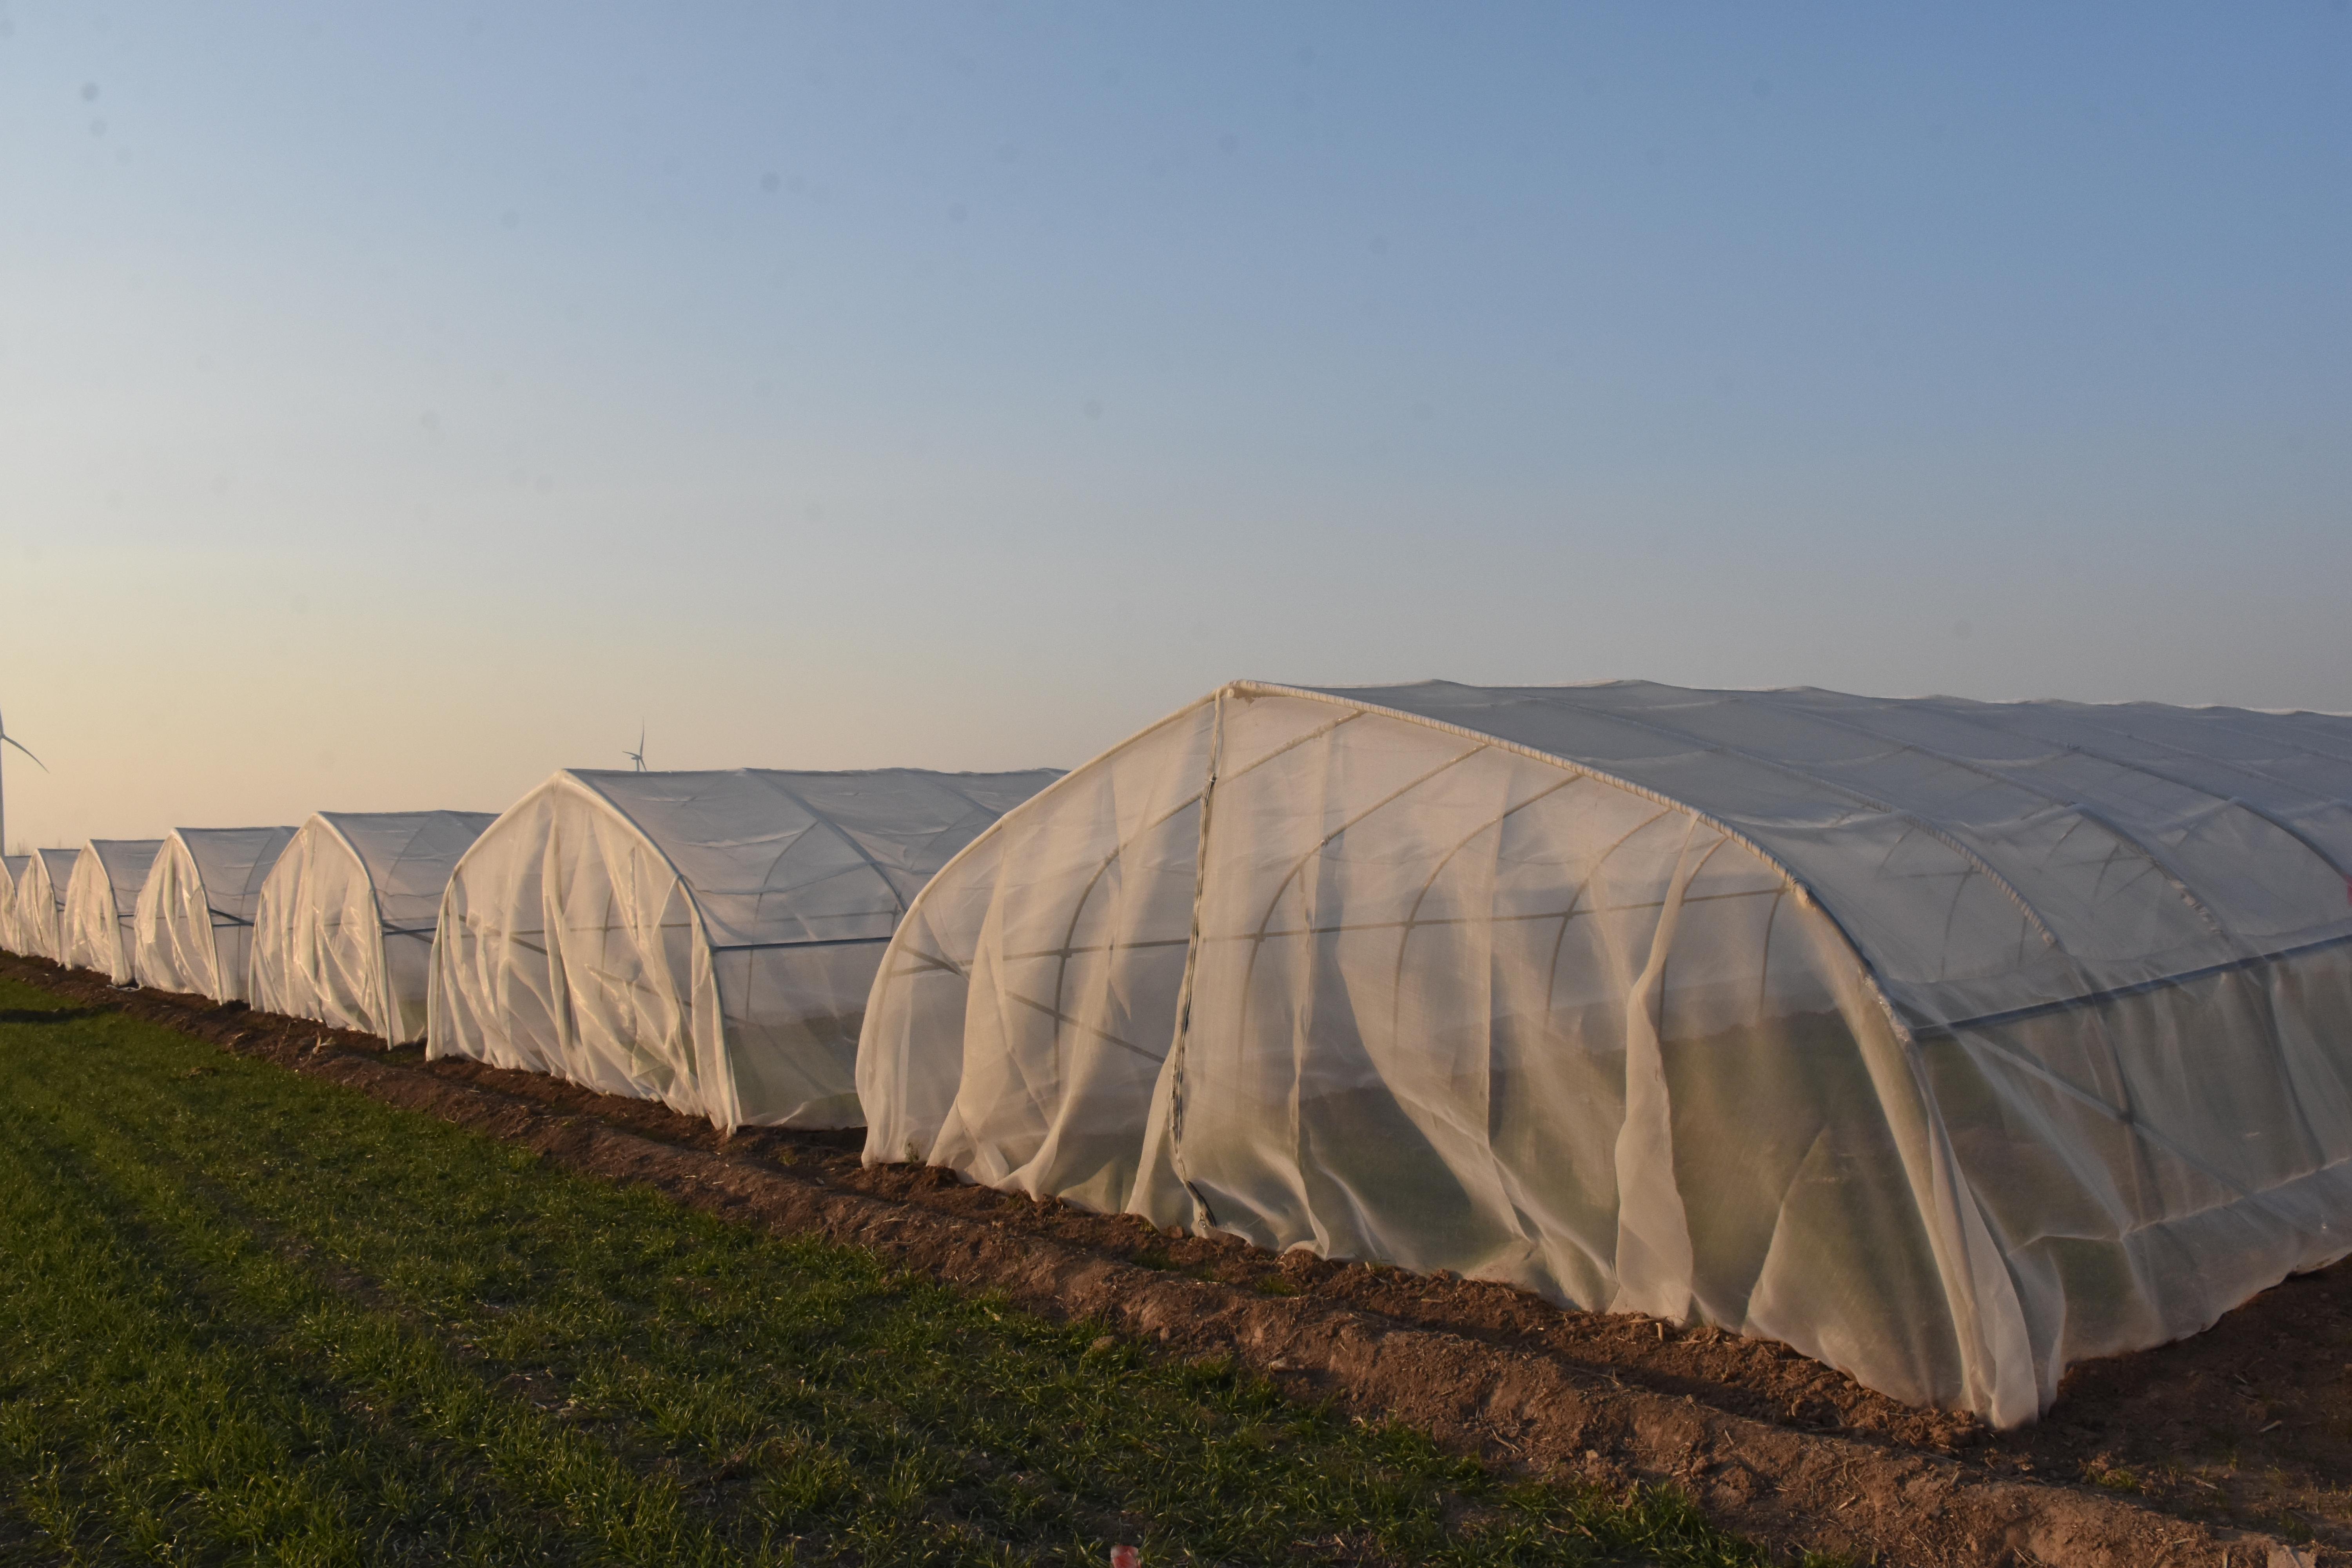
[
  {"x": 1984, "y": 857},
  {"x": 744, "y": 838}
]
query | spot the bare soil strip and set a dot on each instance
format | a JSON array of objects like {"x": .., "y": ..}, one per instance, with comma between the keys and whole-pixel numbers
[{"x": 1774, "y": 1446}]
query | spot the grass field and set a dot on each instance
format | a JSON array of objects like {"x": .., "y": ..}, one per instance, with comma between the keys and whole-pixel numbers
[{"x": 245, "y": 1316}]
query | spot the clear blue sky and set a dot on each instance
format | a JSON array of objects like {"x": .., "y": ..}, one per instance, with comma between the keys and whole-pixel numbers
[{"x": 398, "y": 403}]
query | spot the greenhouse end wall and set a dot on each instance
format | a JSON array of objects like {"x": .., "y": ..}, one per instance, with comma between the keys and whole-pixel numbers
[
  {"x": 344, "y": 927},
  {"x": 39, "y": 914},
  {"x": 569, "y": 946},
  {"x": 12, "y": 867},
  {"x": 101, "y": 900},
  {"x": 191, "y": 928}
]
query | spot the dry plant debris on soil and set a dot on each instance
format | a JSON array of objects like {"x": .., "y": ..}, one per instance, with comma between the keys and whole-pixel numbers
[{"x": 2223, "y": 1448}]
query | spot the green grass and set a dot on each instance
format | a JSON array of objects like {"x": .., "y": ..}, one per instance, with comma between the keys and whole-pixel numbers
[{"x": 247, "y": 1317}]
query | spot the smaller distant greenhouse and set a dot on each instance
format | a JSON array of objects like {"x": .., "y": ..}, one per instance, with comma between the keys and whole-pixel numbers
[
  {"x": 703, "y": 939},
  {"x": 343, "y": 929},
  {"x": 101, "y": 903},
  {"x": 36, "y": 907},
  {"x": 194, "y": 922},
  {"x": 11, "y": 868}
]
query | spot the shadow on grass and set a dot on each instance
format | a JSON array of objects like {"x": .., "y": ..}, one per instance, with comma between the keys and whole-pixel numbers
[{"x": 49, "y": 1015}]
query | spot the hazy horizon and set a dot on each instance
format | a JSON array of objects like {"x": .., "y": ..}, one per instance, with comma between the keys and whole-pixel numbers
[{"x": 401, "y": 407}]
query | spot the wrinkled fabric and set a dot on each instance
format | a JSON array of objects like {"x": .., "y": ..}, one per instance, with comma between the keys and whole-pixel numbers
[
  {"x": 344, "y": 927},
  {"x": 192, "y": 927},
  {"x": 12, "y": 870},
  {"x": 1950, "y": 1043},
  {"x": 36, "y": 904},
  {"x": 101, "y": 900},
  {"x": 703, "y": 939}
]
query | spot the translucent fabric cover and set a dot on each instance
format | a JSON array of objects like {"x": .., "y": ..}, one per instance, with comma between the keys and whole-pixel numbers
[
  {"x": 703, "y": 939},
  {"x": 1950, "y": 1043},
  {"x": 344, "y": 928},
  {"x": 193, "y": 924},
  {"x": 11, "y": 868},
  {"x": 100, "y": 902},
  {"x": 37, "y": 906}
]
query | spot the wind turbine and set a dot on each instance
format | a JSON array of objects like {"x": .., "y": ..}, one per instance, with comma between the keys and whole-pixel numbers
[
  {"x": 637, "y": 756},
  {"x": 12, "y": 740}
]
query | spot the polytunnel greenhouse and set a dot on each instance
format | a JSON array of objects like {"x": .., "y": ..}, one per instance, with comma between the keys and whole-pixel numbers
[
  {"x": 100, "y": 902},
  {"x": 12, "y": 866},
  {"x": 192, "y": 926},
  {"x": 344, "y": 933},
  {"x": 36, "y": 908},
  {"x": 1950, "y": 1043},
  {"x": 703, "y": 939}
]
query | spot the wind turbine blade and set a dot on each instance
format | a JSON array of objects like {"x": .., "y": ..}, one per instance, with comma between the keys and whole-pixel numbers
[{"x": 20, "y": 746}]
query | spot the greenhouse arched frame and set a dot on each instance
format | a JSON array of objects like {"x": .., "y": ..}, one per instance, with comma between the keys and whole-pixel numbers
[{"x": 1950, "y": 1043}]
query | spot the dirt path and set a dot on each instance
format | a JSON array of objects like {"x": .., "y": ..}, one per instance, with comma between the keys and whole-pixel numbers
[{"x": 1775, "y": 1446}]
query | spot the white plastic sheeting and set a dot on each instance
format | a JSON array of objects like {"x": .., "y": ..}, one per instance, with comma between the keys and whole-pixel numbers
[
  {"x": 100, "y": 902},
  {"x": 193, "y": 924},
  {"x": 344, "y": 932},
  {"x": 36, "y": 908},
  {"x": 1950, "y": 1043},
  {"x": 703, "y": 939},
  {"x": 11, "y": 868}
]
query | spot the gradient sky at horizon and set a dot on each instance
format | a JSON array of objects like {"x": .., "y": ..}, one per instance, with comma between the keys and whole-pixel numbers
[{"x": 397, "y": 404}]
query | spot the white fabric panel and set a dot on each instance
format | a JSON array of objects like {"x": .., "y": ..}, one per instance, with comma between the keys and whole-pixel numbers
[
  {"x": 36, "y": 914},
  {"x": 704, "y": 939},
  {"x": 193, "y": 923},
  {"x": 100, "y": 902},
  {"x": 11, "y": 868},
  {"x": 344, "y": 927},
  {"x": 1951, "y": 1042},
  {"x": 1038, "y": 1077}
]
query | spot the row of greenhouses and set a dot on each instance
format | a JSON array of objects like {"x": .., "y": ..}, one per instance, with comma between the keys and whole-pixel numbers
[{"x": 1950, "y": 1043}]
